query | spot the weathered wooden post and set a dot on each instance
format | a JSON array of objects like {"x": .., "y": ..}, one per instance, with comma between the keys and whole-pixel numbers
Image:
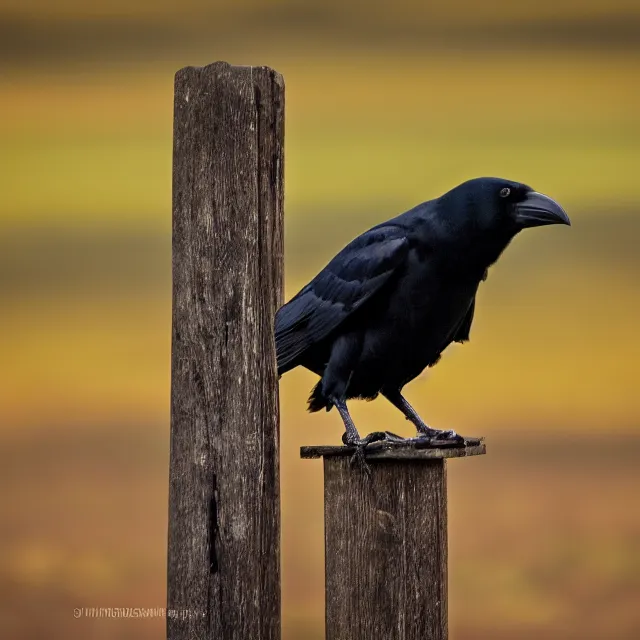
[
  {"x": 386, "y": 542},
  {"x": 224, "y": 509}
]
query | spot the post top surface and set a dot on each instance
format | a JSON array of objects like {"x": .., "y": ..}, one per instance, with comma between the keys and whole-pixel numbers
[
  {"x": 399, "y": 451},
  {"x": 221, "y": 67}
]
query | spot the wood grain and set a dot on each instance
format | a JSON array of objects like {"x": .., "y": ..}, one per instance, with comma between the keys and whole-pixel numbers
[
  {"x": 224, "y": 529},
  {"x": 386, "y": 550},
  {"x": 389, "y": 451}
]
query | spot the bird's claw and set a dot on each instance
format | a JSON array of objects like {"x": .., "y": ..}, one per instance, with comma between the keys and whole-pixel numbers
[
  {"x": 359, "y": 458},
  {"x": 437, "y": 438},
  {"x": 431, "y": 439},
  {"x": 360, "y": 446}
]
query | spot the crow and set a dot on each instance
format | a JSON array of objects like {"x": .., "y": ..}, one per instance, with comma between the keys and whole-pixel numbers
[{"x": 388, "y": 305}]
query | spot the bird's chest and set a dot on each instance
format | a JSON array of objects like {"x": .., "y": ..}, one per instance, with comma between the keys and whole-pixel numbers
[
  {"x": 418, "y": 322},
  {"x": 430, "y": 306}
]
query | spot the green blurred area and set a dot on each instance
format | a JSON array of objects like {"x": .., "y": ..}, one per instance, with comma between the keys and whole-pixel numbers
[{"x": 385, "y": 108}]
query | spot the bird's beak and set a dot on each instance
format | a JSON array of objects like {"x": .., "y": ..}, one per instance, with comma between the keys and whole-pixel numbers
[{"x": 537, "y": 210}]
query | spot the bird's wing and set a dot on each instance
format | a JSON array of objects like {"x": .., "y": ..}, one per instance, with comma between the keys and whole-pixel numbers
[
  {"x": 462, "y": 332},
  {"x": 341, "y": 288}
]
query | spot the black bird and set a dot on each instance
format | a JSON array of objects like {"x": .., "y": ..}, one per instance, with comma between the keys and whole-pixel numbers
[{"x": 394, "y": 298}]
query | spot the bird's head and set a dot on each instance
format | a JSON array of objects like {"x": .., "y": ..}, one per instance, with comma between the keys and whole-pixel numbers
[
  {"x": 503, "y": 206},
  {"x": 483, "y": 216}
]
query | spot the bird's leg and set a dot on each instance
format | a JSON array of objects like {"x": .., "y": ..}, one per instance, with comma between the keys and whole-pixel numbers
[
  {"x": 351, "y": 437},
  {"x": 424, "y": 431}
]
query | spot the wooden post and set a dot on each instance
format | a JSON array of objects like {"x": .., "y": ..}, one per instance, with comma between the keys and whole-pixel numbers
[
  {"x": 224, "y": 509},
  {"x": 386, "y": 542}
]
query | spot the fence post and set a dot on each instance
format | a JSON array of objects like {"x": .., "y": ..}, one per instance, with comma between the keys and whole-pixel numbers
[
  {"x": 386, "y": 542},
  {"x": 224, "y": 504}
]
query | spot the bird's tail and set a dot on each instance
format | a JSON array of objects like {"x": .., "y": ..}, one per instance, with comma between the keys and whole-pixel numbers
[{"x": 317, "y": 400}]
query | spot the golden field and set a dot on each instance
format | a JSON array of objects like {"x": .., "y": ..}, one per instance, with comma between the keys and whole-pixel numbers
[{"x": 544, "y": 532}]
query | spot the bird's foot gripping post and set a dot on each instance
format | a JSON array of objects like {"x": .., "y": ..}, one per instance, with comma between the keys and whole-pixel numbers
[
  {"x": 361, "y": 445},
  {"x": 386, "y": 539},
  {"x": 378, "y": 441},
  {"x": 426, "y": 436}
]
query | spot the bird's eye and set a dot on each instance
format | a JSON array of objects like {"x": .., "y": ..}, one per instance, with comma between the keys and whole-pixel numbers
[{"x": 504, "y": 193}]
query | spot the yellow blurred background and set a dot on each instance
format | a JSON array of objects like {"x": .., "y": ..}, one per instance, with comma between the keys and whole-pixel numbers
[{"x": 388, "y": 104}]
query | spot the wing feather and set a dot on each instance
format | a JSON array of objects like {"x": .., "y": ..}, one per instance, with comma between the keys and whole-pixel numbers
[
  {"x": 352, "y": 278},
  {"x": 463, "y": 331}
]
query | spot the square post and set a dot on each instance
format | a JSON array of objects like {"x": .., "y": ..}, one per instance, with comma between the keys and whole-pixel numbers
[
  {"x": 224, "y": 501},
  {"x": 386, "y": 542}
]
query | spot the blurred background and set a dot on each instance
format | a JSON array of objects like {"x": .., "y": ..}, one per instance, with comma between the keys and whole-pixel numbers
[{"x": 387, "y": 105}]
